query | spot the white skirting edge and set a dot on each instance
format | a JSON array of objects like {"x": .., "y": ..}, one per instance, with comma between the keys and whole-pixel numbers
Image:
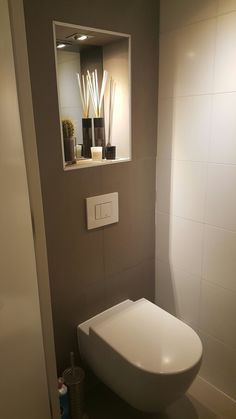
[{"x": 213, "y": 398}]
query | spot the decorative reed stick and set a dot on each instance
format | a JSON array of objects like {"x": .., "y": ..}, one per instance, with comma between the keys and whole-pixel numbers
[
  {"x": 96, "y": 97},
  {"x": 111, "y": 108},
  {"x": 84, "y": 94}
]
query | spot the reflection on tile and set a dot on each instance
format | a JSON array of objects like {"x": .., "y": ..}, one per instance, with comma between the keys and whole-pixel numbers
[
  {"x": 223, "y": 144},
  {"x": 182, "y": 12},
  {"x": 195, "y": 58},
  {"x": 186, "y": 245},
  {"x": 219, "y": 265},
  {"x": 226, "y": 6},
  {"x": 188, "y": 189},
  {"x": 102, "y": 403},
  {"x": 225, "y": 60},
  {"x": 221, "y": 197},
  {"x": 191, "y": 127},
  {"x": 218, "y": 313}
]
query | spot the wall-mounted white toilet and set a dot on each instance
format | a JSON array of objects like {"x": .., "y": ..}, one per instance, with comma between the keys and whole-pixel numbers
[{"x": 144, "y": 354}]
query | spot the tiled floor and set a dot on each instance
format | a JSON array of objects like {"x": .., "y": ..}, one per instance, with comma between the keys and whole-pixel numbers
[{"x": 102, "y": 403}]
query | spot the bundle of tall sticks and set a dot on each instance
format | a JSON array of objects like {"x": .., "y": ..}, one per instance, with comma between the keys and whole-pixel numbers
[
  {"x": 111, "y": 108},
  {"x": 84, "y": 94},
  {"x": 92, "y": 88}
]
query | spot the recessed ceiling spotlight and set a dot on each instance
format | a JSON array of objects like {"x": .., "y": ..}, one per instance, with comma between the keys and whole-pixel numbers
[
  {"x": 61, "y": 45},
  {"x": 82, "y": 37}
]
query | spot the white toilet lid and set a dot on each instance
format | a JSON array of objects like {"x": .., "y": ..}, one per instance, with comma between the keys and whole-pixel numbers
[{"x": 151, "y": 339}]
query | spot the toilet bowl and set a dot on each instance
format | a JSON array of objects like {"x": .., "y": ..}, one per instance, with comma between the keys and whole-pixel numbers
[{"x": 144, "y": 354}]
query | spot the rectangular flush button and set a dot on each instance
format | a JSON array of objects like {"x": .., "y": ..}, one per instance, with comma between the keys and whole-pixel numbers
[
  {"x": 102, "y": 210},
  {"x": 106, "y": 210},
  {"x": 97, "y": 212}
]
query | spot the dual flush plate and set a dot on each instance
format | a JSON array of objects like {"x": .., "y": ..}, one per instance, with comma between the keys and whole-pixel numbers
[{"x": 102, "y": 210}]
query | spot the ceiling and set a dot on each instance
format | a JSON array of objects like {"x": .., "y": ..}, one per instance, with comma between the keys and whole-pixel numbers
[{"x": 67, "y": 35}]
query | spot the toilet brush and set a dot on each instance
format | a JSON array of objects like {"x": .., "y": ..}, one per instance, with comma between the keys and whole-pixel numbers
[{"x": 74, "y": 379}]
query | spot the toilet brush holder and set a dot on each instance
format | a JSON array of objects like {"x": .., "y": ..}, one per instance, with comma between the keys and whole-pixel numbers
[{"x": 74, "y": 379}]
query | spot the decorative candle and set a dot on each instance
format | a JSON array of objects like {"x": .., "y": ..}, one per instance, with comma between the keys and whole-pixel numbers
[
  {"x": 96, "y": 153},
  {"x": 78, "y": 151}
]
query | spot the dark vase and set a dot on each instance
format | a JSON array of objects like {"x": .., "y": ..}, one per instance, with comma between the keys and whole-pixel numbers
[
  {"x": 87, "y": 137},
  {"x": 110, "y": 152},
  {"x": 69, "y": 150},
  {"x": 99, "y": 134}
]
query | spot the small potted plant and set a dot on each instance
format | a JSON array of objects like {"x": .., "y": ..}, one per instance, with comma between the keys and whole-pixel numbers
[{"x": 69, "y": 141}]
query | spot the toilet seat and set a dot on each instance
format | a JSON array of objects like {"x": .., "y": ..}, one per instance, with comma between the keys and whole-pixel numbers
[{"x": 150, "y": 338}]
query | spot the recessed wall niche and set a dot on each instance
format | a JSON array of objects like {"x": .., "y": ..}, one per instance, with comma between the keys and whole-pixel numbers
[{"x": 93, "y": 82}]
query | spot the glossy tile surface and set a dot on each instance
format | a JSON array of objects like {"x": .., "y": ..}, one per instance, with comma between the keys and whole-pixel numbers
[
  {"x": 188, "y": 189},
  {"x": 194, "y": 58},
  {"x": 221, "y": 197},
  {"x": 176, "y": 14},
  {"x": 191, "y": 127},
  {"x": 218, "y": 313},
  {"x": 219, "y": 364},
  {"x": 196, "y": 199},
  {"x": 219, "y": 265},
  {"x": 186, "y": 245},
  {"x": 223, "y": 144},
  {"x": 225, "y": 59},
  {"x": 226, "y": 6}
]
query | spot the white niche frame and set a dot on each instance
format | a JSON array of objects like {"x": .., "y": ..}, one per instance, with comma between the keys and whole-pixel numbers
[{"x": 85, "y": 163}]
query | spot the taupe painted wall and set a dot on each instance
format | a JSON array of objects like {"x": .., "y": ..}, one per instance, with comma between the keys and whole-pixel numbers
[{"x": 90, "y": 271}]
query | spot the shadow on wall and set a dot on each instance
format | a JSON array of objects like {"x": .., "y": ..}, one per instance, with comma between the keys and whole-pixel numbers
[
  {"x": 170, "y": 283},
  {"x": 165, "y": 288}
]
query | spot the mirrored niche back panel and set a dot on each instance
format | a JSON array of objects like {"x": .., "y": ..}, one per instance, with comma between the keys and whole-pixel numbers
[{"x": 93, "y": 82}]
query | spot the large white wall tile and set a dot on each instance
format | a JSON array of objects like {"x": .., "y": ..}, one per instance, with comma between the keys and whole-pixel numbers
[
  {"x": 221, "y": 196},
  {"x": 163, "y": 185},
  {"x": 218, "y": 364},
  {"x": 225, "y": 60},
  {"x": 189, "y": 189},
  {"x": 223, "y": 142},
  {"x": 178, "y": 292},
  {"x": 165, "y": 128},
  {"x": 191, "y": 133},
  {"x": 226, "y": 6},
  {"x": 186, "y": 245},
  {"x": 218, "y": 313},
  {"x": 182, "y": 12},
  {"x": 166, "y": 65},
  {"x": 197, "y": 128},
  {"x": 219, "y": 262},
  {"x": 195, "y": 58}
]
